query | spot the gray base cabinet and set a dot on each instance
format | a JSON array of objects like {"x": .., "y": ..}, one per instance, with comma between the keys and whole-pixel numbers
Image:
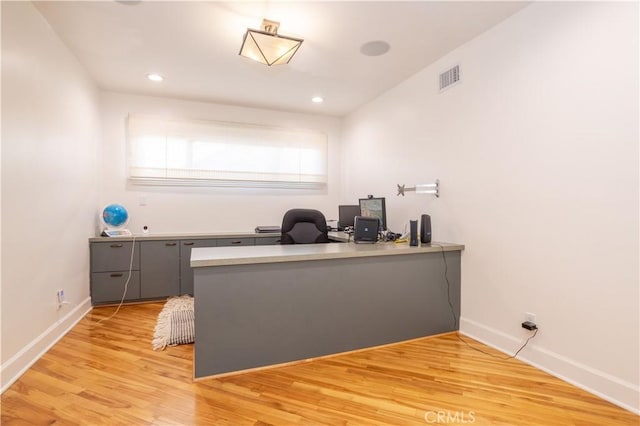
[
  {"x": 186, "y": 272},
  {"x": 159, "y": 268},
  {"x": 110, "y": 265}
]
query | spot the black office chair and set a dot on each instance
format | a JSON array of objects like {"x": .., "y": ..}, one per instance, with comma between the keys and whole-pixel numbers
[{"x": 304, "y": 226}]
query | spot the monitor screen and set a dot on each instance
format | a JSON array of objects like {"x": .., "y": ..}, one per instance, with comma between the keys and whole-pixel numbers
[
  {"x": 346, "y": 214},
  {"x": 374, "y": 207}
]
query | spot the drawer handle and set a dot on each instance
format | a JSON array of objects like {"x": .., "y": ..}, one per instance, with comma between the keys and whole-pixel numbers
[
  {"x": 236, "y": 242},
  {"x": 169, "y": 244},
  {"x": 115, "y": 275},
  {"x": 116, "y": 245},
  {"x": 188, "y": 244}
]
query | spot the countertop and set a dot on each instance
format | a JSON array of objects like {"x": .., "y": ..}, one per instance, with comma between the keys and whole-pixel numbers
[
  {"x": 185, "y": 236},
  {"x": 245, "y": 255}
]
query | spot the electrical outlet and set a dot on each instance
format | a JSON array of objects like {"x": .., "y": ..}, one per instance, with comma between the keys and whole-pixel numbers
[
  {"x": 528, "y": 316},
  {"x": 60, "y": 298}
]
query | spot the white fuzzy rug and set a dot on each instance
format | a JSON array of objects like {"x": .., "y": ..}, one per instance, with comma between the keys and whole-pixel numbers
[{"x": 175, "y": 324}]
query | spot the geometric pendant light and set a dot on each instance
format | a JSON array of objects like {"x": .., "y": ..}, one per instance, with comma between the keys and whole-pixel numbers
[{"x": 267, "y": 47}]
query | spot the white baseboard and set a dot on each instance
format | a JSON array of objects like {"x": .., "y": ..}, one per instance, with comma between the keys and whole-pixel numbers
[
  {"x": 17, "y": 365},
  {"x": 605, "y": 386}
]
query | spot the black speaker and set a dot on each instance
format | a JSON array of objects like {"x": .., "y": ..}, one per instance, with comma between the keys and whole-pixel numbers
[
  {"x": 425, "y": 229},
  {"x": 366, "y": 229},
  {"x": 413, "y": 232}
]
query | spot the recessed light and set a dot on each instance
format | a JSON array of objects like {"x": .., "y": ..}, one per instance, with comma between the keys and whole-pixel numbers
[
  {"x": 317, "y": 99},
  {"x": 155, "y": 77},
  {"x": 375, "y": 48}
]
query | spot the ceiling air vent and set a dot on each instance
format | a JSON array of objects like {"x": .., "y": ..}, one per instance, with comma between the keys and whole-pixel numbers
[{"x": 450, "y": 77}]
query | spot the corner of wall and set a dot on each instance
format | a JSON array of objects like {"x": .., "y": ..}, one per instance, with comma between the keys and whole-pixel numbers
[
  {"x": 599, "y": 383},
  {"x": 17, "y": 365}
]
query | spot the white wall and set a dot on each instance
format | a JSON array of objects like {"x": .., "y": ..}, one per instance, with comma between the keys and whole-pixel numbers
[
  {"x": 537, "y": 153},
  {"x": 50, "y": 132},
  {"x": 174, "y": 210}
]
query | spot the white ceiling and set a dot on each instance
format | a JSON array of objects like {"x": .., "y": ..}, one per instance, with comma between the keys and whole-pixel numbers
[{"x": 195, "y": 45}]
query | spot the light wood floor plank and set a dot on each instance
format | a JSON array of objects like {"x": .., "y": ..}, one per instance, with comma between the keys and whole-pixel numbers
[{"x": 108, "y": 374}]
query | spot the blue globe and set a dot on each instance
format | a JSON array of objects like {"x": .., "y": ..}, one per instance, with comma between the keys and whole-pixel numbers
[{"x": 115, "y": 215}]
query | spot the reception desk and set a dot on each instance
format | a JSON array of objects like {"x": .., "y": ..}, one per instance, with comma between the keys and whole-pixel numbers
[{"x": 259, "y": 306}]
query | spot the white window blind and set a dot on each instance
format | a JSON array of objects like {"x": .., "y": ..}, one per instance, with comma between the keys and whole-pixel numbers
[{"x": 209, "y": 153}]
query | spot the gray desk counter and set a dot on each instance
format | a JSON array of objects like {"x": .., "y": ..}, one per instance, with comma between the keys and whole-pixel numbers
[
  {"x": 217, "y": 256},
  {"x": 259, "y": 306}
]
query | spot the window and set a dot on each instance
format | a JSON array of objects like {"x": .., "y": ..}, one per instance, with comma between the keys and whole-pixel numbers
[{"x": 208, "y": 153}]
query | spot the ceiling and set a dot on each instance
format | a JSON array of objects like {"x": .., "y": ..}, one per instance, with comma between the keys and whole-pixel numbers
[{"x": 195, "y": 46}]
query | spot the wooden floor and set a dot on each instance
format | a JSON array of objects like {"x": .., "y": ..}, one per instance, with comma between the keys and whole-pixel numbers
[{"x": 108, "y": 374}]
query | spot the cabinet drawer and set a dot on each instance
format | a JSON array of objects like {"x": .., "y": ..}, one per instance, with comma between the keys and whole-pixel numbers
[
  {"x": 114, "y": 256},
  {"x": 226, "y": 242},
  {"x": 187, "y": 245},
  {"x": 267, "y": 241},
  {"x": 109, "y": 286}
]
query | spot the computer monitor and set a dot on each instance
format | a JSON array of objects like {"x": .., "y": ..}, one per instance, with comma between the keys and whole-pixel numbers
[
  {"x": 346, "y": 215},
  {"x": 374, "y": 207}
]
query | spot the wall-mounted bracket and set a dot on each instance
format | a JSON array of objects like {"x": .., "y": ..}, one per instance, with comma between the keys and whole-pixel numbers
[{"x": 426, "y": 188}]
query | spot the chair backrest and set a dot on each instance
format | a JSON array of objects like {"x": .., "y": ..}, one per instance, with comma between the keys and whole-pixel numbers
[{"x": 304, "y": 226}]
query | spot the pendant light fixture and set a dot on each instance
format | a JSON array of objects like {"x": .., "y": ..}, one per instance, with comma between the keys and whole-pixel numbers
[{"x": 267, "y": 46}]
